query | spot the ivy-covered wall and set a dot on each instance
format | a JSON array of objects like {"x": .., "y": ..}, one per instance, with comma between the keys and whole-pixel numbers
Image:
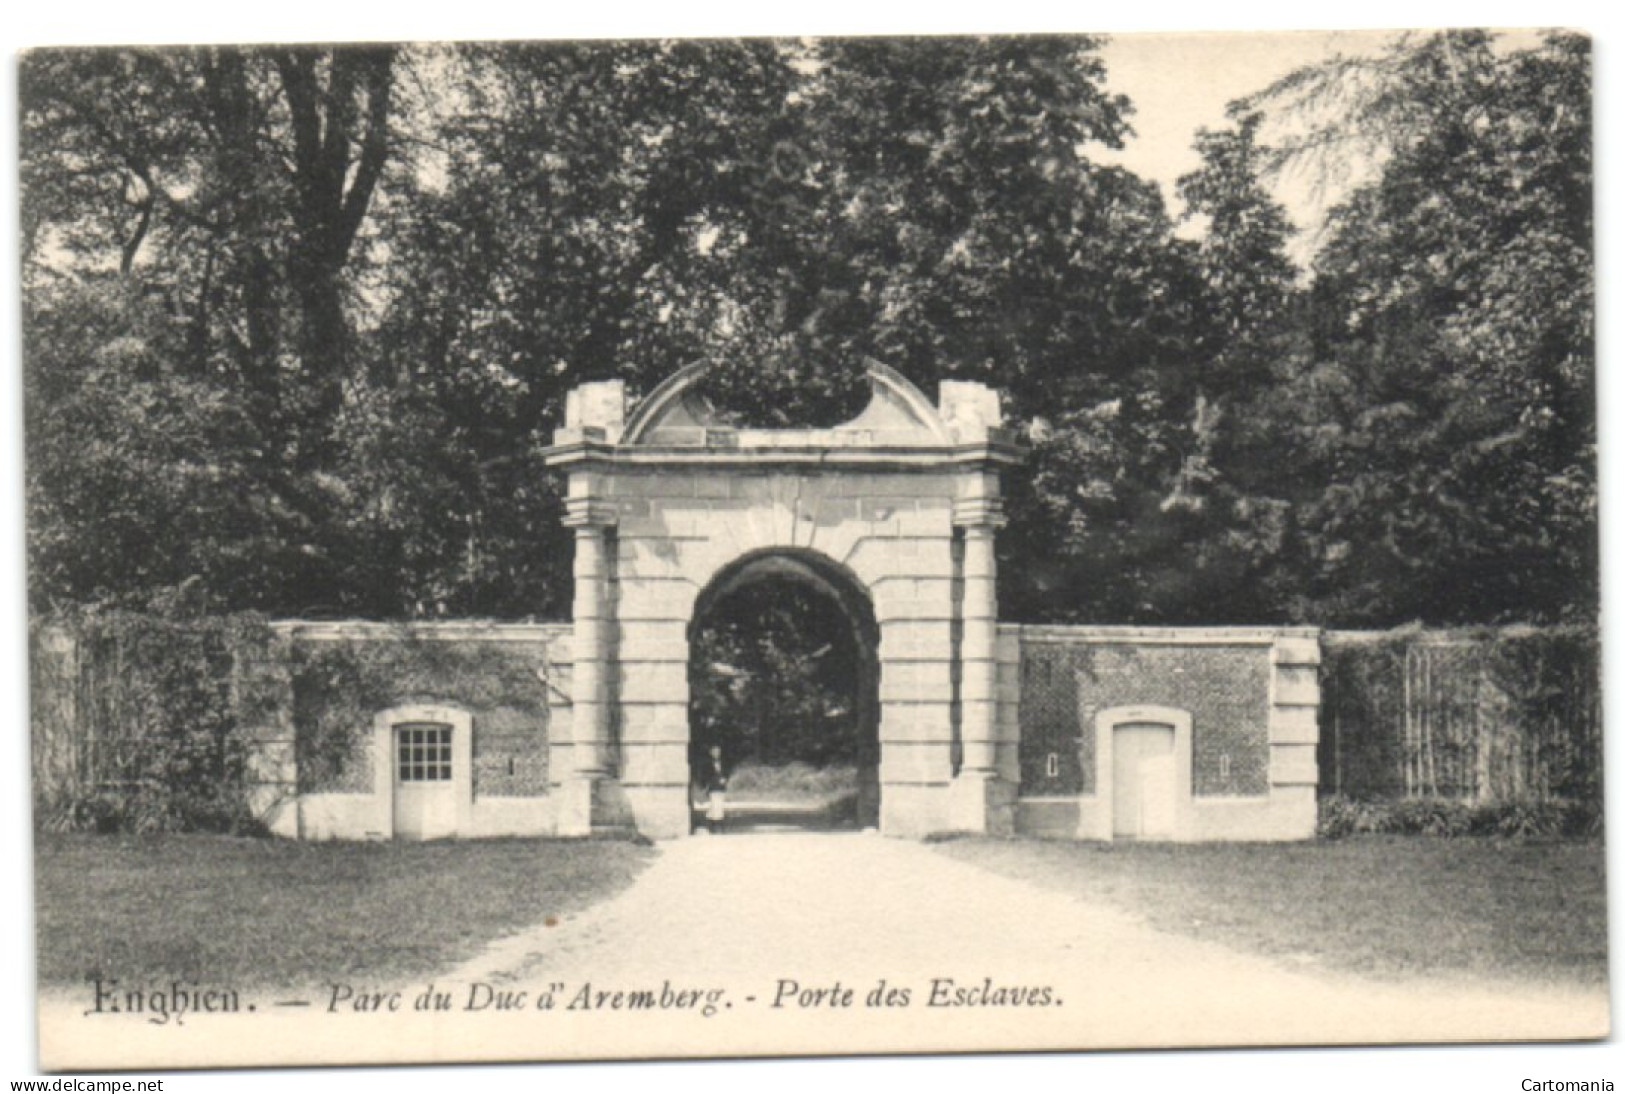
[
  {"x": 147, "y": 722},
  {"x": 138, "y": 722},
  {"x": 508, "y": 679},
  {"x": 1511, "y": 714}
]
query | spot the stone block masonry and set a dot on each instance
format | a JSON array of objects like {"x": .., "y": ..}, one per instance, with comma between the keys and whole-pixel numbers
[{"x": 893, "y": 515}]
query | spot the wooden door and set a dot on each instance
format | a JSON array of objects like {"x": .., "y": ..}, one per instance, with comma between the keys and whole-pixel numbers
[
  {"x": 424, "y": 804},
  {"x": 1143, "y": 781}
]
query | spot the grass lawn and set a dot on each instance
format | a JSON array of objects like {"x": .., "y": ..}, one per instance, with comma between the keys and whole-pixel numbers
[
  {"x": 1386, "y": 906},
  {"x": 250, "y": 911}
]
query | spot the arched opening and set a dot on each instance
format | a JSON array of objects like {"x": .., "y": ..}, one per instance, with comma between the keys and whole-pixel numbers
[{"x": 784, "y": 684}]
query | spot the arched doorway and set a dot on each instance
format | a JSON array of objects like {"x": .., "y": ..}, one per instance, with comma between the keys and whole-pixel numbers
[{"x": 784, "y": 681}]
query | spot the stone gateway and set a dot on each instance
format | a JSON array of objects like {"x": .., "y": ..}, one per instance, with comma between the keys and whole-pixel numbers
[
  {"x": 896, "y": 509},
  {"x": 972, "y": 725}
]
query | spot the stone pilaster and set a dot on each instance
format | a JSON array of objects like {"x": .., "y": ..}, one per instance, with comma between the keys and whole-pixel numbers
[
  {"x": 874, "y": 501},
  {"x": 981, "y": 801},
  {"x": 581, "y": 806},
  {"x": 1294, "y": 705}
]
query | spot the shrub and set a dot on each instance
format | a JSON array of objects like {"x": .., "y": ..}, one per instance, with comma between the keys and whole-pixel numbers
[
  {"x": 1584, "y": 819},
  {"x": 1524, "y": 819},
  {"x": 794, "y": 781},
  {"x": 1431, "y": 817},
  {"x": 89, "y": 810},
  {"x": 1341, "y": 816},
  {"x": 1531, "y": 819},
  {"x": 147, "y": 809}
]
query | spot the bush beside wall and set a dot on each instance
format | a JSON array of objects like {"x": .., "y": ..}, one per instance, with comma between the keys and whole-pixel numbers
[{"x": 1340, "y": 817}]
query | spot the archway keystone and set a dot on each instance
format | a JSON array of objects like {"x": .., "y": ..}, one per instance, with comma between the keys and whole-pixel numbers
[{"x": 905, "y": 498}]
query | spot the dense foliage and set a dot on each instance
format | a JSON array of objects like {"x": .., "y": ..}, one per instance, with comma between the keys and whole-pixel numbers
[
  {"x": 1444, "y": 440},
  {"x": 771, "y": 680},
  {"x": 1340, "y": 817},
  {"x": 298, "y": 321},
  {"x": 141, "y": 723}
]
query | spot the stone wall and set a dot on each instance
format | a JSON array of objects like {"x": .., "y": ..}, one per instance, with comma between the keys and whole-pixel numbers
[
  {"x": 1251, "y": 694},
  {"x": 1248, "y": 698}
]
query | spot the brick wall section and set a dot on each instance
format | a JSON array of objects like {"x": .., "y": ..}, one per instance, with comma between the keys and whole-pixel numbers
[
  {"x": 1068, "y": 675},
  {"x": 510, "y": 754},
  {"x": 1050, "y": 722}
]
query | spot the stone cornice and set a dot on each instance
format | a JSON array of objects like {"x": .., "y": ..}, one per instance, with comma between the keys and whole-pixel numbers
[
  {"x": 1091, "y": 634},
  {"x": 439, "y": 630},
  {"x": 590, "y": 453}
]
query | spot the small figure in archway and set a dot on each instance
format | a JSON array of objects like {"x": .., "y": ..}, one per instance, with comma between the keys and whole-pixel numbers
[{"x": 714, "y": 780}]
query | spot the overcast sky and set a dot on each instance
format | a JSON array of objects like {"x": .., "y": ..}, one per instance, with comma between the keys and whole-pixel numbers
[{"x": 1180, "y": 83}]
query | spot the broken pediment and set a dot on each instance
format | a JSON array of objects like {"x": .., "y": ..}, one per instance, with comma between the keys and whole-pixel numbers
[{"x": 898, "y": 415}]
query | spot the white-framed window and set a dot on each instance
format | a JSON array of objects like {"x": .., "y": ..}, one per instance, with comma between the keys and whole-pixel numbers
[{"x": 423, "y": 752}]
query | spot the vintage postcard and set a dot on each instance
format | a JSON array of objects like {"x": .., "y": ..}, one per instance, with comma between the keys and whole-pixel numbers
[{"x": 709, "y": 548}]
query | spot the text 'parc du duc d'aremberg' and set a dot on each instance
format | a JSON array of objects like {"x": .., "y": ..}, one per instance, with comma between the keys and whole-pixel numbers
[{"x": 175, "y": 1002}]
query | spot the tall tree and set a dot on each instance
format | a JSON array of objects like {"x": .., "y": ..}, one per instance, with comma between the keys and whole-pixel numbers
[
  {"x": 1451, "y": 415},
  {"x": 585, "y": 219},
  {"x": 1233, "y": 503},
  {"x": 786, "y": 210},
  {"x": 350, "y": 288},
  {"x": 954, "y": 225},
  {"x": 231, "y": 184},
  {"x": 945, "y": 218},
  {"x": 140, "y": 474}
]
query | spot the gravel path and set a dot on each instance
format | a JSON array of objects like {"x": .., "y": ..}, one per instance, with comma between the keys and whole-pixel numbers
[
  {"x": 800, "y": 944},
  {"x": 750, "y": 913}
]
